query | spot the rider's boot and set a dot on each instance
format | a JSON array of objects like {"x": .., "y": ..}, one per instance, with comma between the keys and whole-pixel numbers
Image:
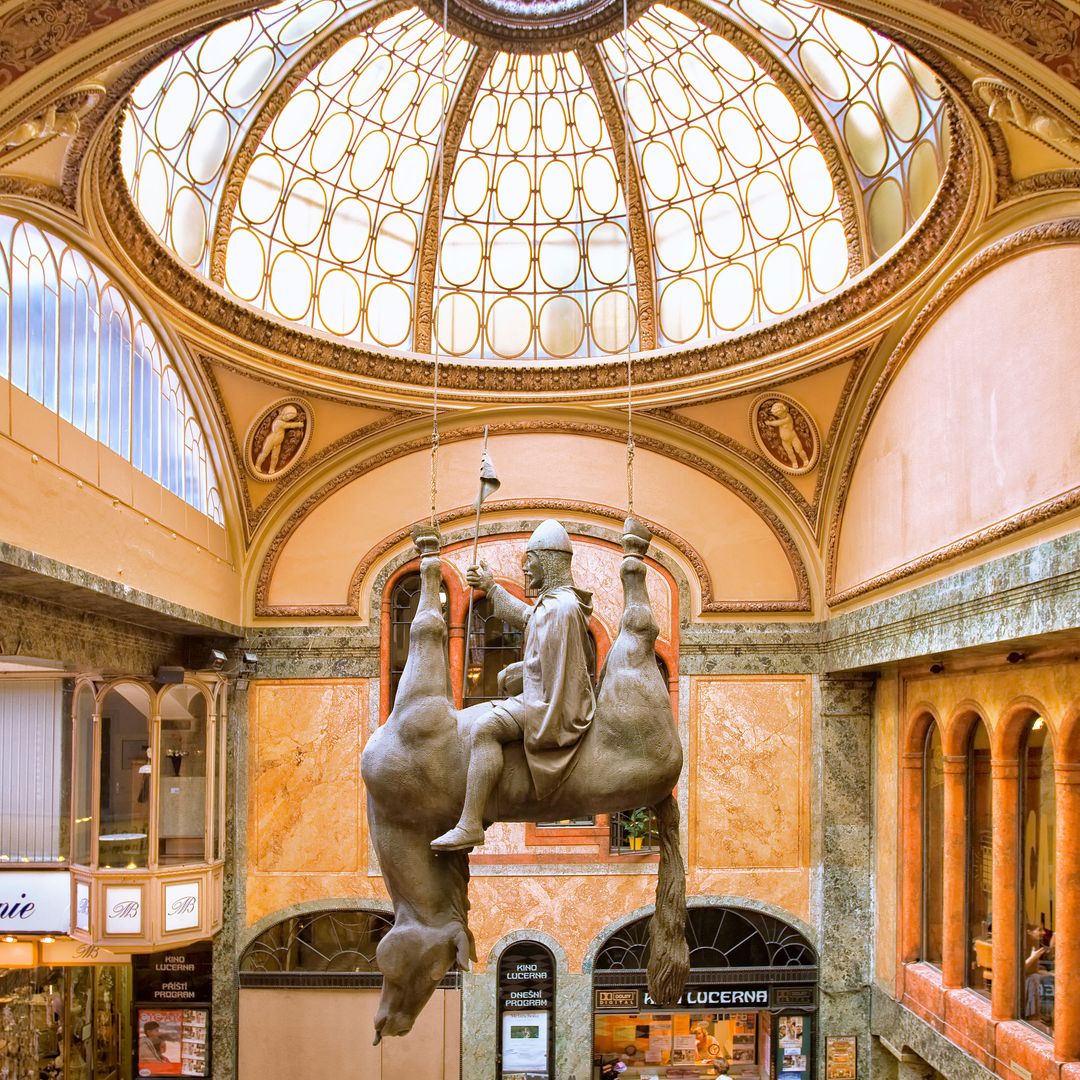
[{"x": 485, "y": 767}]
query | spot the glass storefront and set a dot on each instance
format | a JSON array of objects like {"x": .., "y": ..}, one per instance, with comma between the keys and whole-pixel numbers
[{"x": 65, "y": 1023}]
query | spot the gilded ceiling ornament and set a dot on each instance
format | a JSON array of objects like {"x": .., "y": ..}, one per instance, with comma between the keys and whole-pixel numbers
[
  {"x": 785, "y": 432},
  {"x": 62, "y": 117},
  {"x": 277, "y": 439},
  {"x": 1007, "y": 105}
]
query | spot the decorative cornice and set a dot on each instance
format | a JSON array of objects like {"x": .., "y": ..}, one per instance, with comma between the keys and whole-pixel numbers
[
  {"x": 287, "y": 81},
  {"x": 637, "y": 218},
  {"x": 600, "y": 431},
  {"x": 428, "y": 263},
  {"x": 136, "y": 245},
  {"x": 1047, "y": 234}
]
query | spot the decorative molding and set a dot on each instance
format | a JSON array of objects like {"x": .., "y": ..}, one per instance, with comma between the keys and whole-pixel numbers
[
  {"x": 61, "y": 117},
  {"x": 629, "y": 174},
  {"x": 1008, "y": 105},
  {"x": 303, "y": 414},
  {"x": 428, "y": 262},
  {"x": 1047, "y": 234},
  {"x": 794, "y": 412},
  {"x": 600, "y": 431},
  {"x": 137, "y": 246},
  {"x": 291, "y": 76}
]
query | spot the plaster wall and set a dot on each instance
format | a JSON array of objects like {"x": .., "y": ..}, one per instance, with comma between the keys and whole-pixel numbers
[
  {"x": 988, "y": 394},
  {"x": 743, "y": 554}
]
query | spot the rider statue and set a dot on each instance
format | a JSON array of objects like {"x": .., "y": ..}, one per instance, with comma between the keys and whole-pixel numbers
[{"x": 553, "y": 701}]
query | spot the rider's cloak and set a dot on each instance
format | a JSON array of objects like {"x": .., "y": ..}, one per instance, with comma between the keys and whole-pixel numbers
[{"x": 556, "y": 705}]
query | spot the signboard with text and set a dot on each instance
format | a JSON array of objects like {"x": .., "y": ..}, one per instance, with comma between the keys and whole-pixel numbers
[
  {"x": 173, "y": 991},
  {"x": 526, "y": 1030},
  {"x": 35, "y": 902}
]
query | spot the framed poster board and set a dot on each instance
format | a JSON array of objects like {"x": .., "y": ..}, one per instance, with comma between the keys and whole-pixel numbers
[{"x": 840, "y": 1057}]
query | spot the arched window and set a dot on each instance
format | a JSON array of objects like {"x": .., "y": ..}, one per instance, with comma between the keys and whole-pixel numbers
[
  {"x": 71, "y": 340},
  {"x": 492, "y": 646},
  {"x": 933, "y": 845},
  {"x": 316, "y": 943},
  {"x": 404, "y": 601},
  {"x": 1037, "y": 866},
  {"x": 980, "y": 869}
]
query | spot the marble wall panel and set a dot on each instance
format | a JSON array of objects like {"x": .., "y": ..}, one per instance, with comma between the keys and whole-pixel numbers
[
  {"x": 886, "y": 837},
  {"x": 749, "y": 772}
]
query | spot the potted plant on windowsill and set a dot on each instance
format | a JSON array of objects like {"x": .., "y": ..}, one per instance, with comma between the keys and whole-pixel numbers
[{"x": 637, "y": 827}]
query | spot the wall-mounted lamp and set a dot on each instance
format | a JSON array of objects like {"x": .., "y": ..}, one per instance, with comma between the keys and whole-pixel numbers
[{"x": 217, "y": 659}]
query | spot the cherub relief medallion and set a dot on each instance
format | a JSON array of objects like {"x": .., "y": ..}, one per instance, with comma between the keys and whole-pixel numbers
[
  {"x": 277, "y": 438},
  {"x": 785, "y": 432}
]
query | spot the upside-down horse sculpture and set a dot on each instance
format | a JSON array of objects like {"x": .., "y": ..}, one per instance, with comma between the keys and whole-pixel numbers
[{"x": 436, "y": 775}]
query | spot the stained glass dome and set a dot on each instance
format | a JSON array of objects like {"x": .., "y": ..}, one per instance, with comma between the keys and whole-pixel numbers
[{"x": 708, "y": 169}]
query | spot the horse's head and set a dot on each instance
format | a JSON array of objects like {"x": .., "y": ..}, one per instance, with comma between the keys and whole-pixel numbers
[{"x": 413, "y": 959}]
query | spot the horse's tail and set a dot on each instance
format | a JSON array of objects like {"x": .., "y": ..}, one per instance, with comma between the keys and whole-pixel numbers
[{"x": 669, "y": 956}]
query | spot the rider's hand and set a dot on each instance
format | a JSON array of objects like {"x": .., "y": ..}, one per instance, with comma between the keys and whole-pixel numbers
[{"x": 480, "y": 577}]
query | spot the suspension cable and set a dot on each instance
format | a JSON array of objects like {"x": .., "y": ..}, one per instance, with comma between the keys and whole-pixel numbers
[{"x": 627, "y": 183}]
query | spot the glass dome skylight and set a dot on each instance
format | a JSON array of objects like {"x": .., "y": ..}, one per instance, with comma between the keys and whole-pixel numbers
[{"x": 772, "y": 150}]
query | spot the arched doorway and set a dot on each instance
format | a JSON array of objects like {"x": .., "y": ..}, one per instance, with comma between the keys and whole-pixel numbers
[
  {"x": 750, "y": 1001},
  {"x": 309, "y": 988}
]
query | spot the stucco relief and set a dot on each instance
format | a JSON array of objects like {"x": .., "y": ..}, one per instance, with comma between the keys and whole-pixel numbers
[
  {"x": 277, "y": 439},
  {"x": 786, "y": 432},
  {"x": 596, "y": 569}
]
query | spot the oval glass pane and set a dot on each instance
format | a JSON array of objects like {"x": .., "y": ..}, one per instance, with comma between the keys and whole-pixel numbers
[
  {"x": 305, "y": 211},
  {"x": 519, "y": 124},
  {"x": 682, "y": 310},
  {"x": 587, "y": 119},
  {"x": 553, "y": 124},
  {"x": 370, "y": 78},
  {"x": 513, "y": 190},
  {"x": 399, "y": 97},
  {"x": 249, "y": 77},
  {"x": 557, "y": 189},
  {"x": 701, "y": 156},
  {"x": 350, "y": 230},
  {"x": 670, "y": 93},
  {"x": 176, "y": 110},
  {"x": 733, "y": 62},
  {"x": 499, "y": 67},
  {"x": 776, "y": 113},
  {"x": 886, "y": 216},
  {"x": 457, "y": 323},
  {"x": 295, "y": 120},
  {"x": 484, "y": 120},
  {"x": 462, "y": 252},
  {"x": 369, "y": 160},
  {"x": 782, "y": 280},
  {"x": 245, "y": 264},
  {"x": 410, "y": 174},
  {"x": 560, "y": 258},
  {"x": 898, "y": 102},
  {"x": 261, "y": 193},
  {"x": 208, "y": 146},
  {"x": 613, "y": 321},
  {"x": 676, "y": 243},
  {"x": 153, "y": 191},
  {"x": 290, "y": 285},
  {"x": 732, "y": 300},
  {"x": 828, "y": 256},
  {"x": 852, "y": 39},
  {"x": 574, "y": 70},
  {"x": 561, "y": 326},
  {"x": 549, "y": 74},
  {"x": 188, "y": 226},
  {"x": 523, "y": 69},
  {"x": 865, "y": 139},
  {"x": 740, "y": 138},
  {"x": 768, "y": 17},
  {"x": 599, "y": 184},
  {"x": 608, "y": 253},
  {"x": 332, "y": 142},
  {"x": 703, "y": 82},
  {"x": 339, "y": 302},
  {"x": 429, "y": 113},
  {"x": 927, "y": 80},
  {"x": 769, "y": 205},
  {"x": 640, "y": 107},
  {"x": 470, "y": 186},
  {"x": 223, "y": 46},
  {"x": 395, "y": 243},
  {"x": 510, "y": 258},
  {"x": 146, "y": 90},
  {"x": 661, "y": 172},
  {"x": 923, "y": 178},
  {"x": 389, "y": 314},
  {"x": 344, "y": 62},
  {"x": 307, "y": 21},
  {"x": 509, "y": 327},
  {"x": 825, "y": 71},
  {"x": 722, "y": 224},
  {"x": 811, "y": 180}
]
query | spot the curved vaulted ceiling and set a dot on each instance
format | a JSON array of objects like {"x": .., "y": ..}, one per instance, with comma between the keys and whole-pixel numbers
[{"x": 706, "y": 171}]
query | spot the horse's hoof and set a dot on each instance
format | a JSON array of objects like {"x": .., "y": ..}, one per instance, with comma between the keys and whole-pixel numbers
[{"x": 458, "y": 839}]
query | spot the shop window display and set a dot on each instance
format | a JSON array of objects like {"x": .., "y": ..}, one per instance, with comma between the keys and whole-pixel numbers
[{"x": 125, "y": 770}]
